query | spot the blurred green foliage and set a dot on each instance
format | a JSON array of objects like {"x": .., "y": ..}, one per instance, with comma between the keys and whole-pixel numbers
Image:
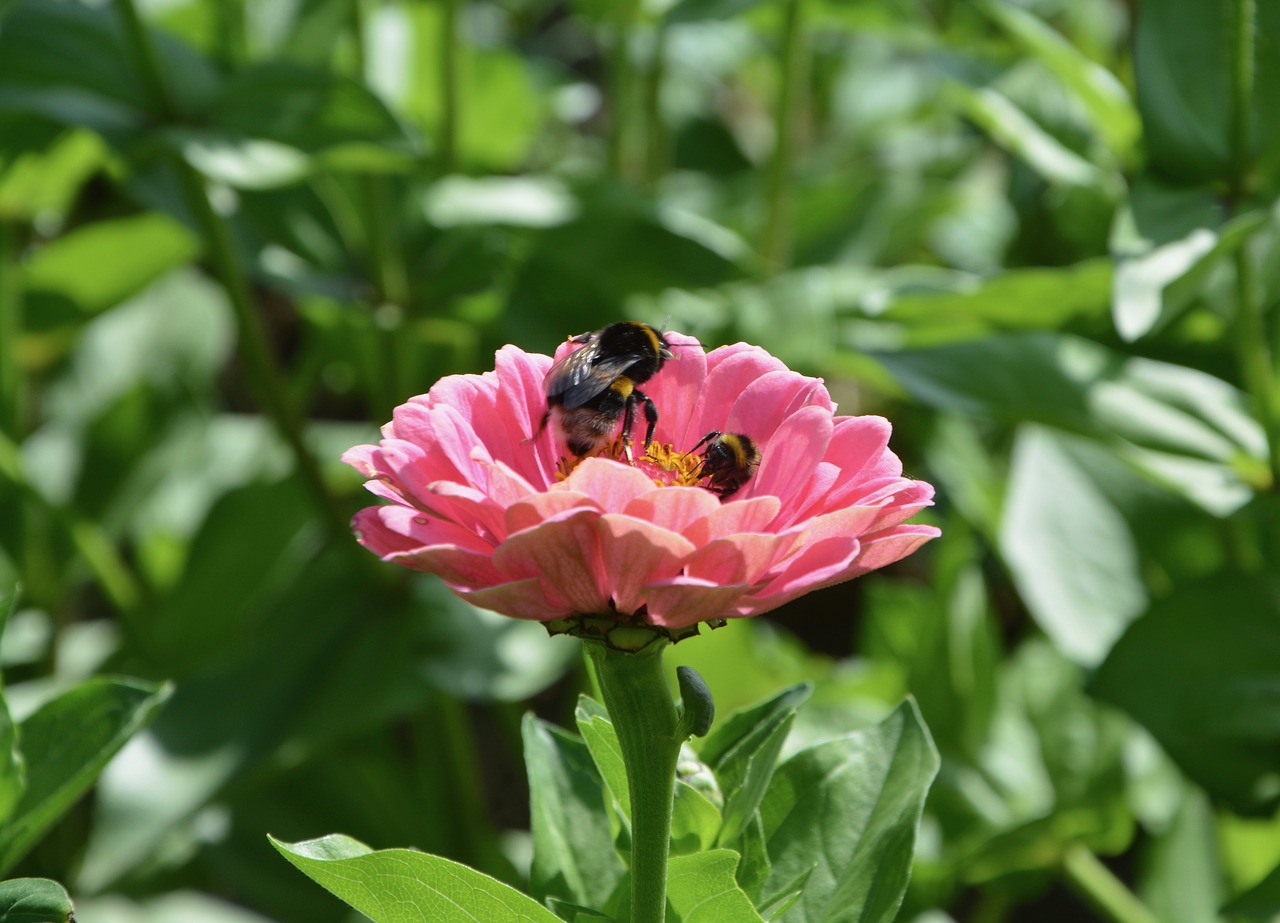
[{"x": 1041, "y": 236}]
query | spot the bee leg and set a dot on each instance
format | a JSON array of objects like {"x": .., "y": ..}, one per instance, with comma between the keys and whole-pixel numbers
[
  {"x": 714, "y": 434},
  {"x": 628, "y": 419},
  {"x": 651, "y": 416}
]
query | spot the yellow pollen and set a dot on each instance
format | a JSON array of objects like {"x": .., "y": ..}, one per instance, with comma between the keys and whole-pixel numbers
[{"x": 661, "y": 462}]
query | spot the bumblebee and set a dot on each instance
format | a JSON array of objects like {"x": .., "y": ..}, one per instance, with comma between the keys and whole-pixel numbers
[
  {"x": 729, "y": 461},
  {"x": 591, "y": 389}
]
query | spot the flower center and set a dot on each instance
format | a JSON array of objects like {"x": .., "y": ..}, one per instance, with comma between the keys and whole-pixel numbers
[{"x": 660, "y": 461}]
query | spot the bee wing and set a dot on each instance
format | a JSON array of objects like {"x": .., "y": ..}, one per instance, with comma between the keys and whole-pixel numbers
[{"x": 581, "y": 375}]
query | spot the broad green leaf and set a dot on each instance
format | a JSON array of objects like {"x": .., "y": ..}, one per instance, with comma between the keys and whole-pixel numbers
[
  {"x": 1199, "y": 670},
  {"x": 309, "y": 110},
  {"x": 99, "y": 265},
  {"x": 573, "y": 855},
  {"x": 1182, "y": 876},
  {"x": 1018, "y": 133},
  {"x": 1168, "y": 419},
  {"x": 73, "y": 62},
  {"x": 845, "y": 813},
  {"x": 1260, "y": 903},
  {"x": 601, "y": 740},
  {"x": 1039, "y": 298},
  {"x": 1152, "y": 288},
  {"x": 244, "y": 163},
  {"x": 44, "y": 182},
  {"x": 523, "y": 201},
  {"x": 702, "y": 889},
  {"x": 1112, "y": 114},
  {"x": 66, "y": 744},
  {"x": 34, "y": 900},
  {"x": 743, "y": 751},
  {"x": 13, "y": 776},
  {"x": 695, "y": 821},
  {"x": 403, "y": 886},
  {"x": 1072, "y": 554},
  {"x": 1184, "y": 57}
]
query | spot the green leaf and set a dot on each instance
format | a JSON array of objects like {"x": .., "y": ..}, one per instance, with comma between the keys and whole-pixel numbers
[
  {"x": 1060, "y": 295},
  {"x": 99, "y": 265},
  {"x": 34, "y": 900},
  {"x": 1111, "y": 111},
  {"x": 1072, "y": 554},
  {"x": 743, "y": 752},
  {"x": 573, "y": 855},
  {"x": 602, "y": 742},
  {"x": 13, "y": 774},
  {"x": 403, "y": 886},
  {"x": 703, "y": 889},
  {"x": 518, "y": 201},
  {"x": 1023, "y": 137},
  {"x": 1153, "y": 288},
  {"x": 695, "y": 821},
  {"x": 1182, "y": 873},
  {"x": 1201, "y": 670},
  {"x": 1168, "y": 420},
  {"x": 44, "y": 181},
  {"x": 66, "y": 743},
  {"x": 305, "y": 109},
  {"x": 1261, "y": 902},
  {"x": 845, "y": 813}
]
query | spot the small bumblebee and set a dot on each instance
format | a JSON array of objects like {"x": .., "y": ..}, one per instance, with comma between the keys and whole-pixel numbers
[
  {"x": 591, "y": 389},
  {"x": 729, "y": 461}
]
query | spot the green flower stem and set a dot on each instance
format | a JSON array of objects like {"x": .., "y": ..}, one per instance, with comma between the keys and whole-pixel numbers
[
  {"x": 265, "y": 376},
  {"x": 1253, "y": 346},
  {"x": 10, "y": 329},
  {"x": 623, "y": 93},
  {"x": 644, "y": 717},
  {"x": 1107, "y": 894},
  {"x": 775, "y": 246},
  {"x": 451, "y": 49}
]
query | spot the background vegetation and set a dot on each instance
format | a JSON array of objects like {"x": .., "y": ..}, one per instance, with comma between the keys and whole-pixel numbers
[{"x": 1040, "y": 236}]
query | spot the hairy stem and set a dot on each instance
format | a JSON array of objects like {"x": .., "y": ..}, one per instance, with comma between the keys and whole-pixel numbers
[{"x": 644, "y": 717}]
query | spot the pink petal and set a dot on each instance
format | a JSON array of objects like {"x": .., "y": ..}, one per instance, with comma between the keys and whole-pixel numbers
[
  {"x": 892, "y": 545},
  {"x": 789, "y": 458},
  {"x": 675, "y": 390},
  {"x": 520, "y": 599},
  {"x": 673, "y": 508},
  {"x": 762, "y": 406},
  {"x": 565, "y": 553},
  {"x": 821, "y": 564},
  {"x": 612, "y": 485},
  {"x": 538, "y": 508},
  {"x": 683, "y": 601},
  {"x": 730, "y": 371},
  {"x": 634, "y": 553},
  {"x": 752, "y": 515},
  {"x": 739, "y": 559}
]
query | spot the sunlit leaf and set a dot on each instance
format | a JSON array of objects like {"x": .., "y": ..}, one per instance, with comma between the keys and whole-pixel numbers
[
  {"x": 403, "y": 886},
  {"x": 66, "y": 744},
  {"x": 34, "y": 900}
]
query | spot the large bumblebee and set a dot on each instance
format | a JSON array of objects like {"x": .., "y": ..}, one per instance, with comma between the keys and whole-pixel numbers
[
  {"x": 591, "y": 389},
  {"x": 728, "y": 462}
]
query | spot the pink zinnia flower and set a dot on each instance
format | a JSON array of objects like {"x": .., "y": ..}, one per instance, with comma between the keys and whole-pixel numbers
[{"x": 479, "y": 497}]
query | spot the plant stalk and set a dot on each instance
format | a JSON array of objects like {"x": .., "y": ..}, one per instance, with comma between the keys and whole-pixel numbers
[
  {"x": 1106, "y": 893},
  {"x": 644, "y": 717},
  {"x": 624, "y": 94},
  {"x": 450, "y": 86},
  {"x": 265, "y": 376},
  {"x": 775, "y": 246},
  {"x": 1253, "y": 345}
]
